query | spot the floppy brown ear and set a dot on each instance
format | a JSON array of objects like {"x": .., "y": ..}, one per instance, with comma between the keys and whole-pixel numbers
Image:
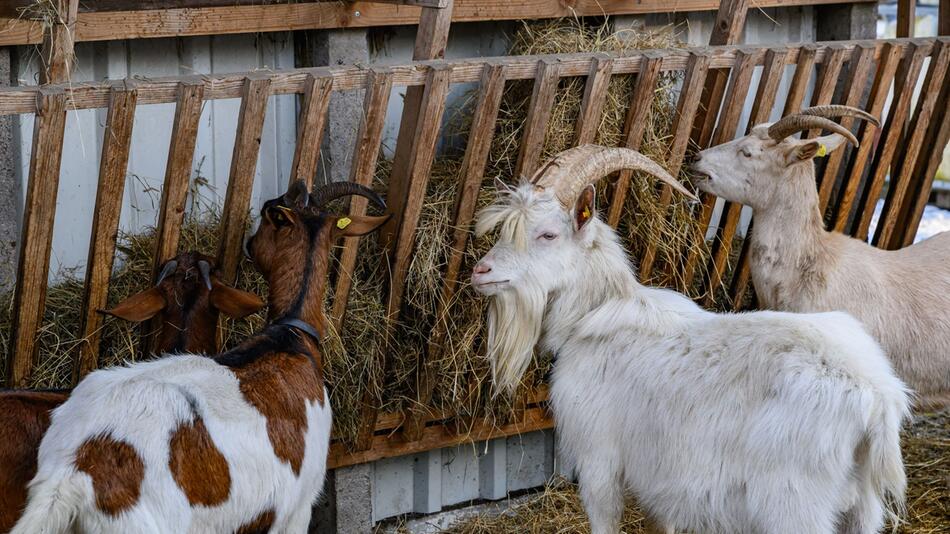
[
  {"x": 139, "y": 307},
  {"x": 357, "y": 225},
  {"x": 233, "y": 302}
]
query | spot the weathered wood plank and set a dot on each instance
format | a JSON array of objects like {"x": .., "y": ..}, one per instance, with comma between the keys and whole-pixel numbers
[
  {"x": 890, "y": 234},
  {"x": 36, "y": 236},
  {"x": 859, "y": 70},
  {"x": 634, "y": 128},
  {"x": 470, "y": 180},
  {"x": 853, "y": 185},
  {"x": 592, "y": 104},
  {"x": 116, "y": 142},
  {"x": 290, "y": 16},
  {"x": 686, "y": 109},
  {"x": 539, "y": 115},
  {"x": 57, "y": 54},
  {"x": 86, "y": 95},
  {"x": 310, "y": 127},
  {"x": 739, "y": 84},
  {"x": 247, "y": 147},
  {"x": 891, "y": 135},
  {"x": 906, "y": 17},
  {"x": 406, "y": 195},
  {"x": 365, "y": 153}
]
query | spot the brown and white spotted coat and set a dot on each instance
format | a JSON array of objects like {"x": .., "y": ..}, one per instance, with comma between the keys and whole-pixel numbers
[
  {"x": 237, "y": 443},
  {"x": 188, "y": 312}
]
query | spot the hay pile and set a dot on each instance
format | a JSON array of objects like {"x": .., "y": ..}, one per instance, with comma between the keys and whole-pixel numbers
[{"x": 926, "y": 446}]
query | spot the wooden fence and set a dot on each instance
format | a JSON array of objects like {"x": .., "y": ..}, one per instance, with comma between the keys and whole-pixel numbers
[{"x": 908, "y": 148}]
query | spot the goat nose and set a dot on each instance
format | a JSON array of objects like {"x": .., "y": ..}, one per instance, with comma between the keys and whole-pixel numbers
[{"x": 482, "y": 268}]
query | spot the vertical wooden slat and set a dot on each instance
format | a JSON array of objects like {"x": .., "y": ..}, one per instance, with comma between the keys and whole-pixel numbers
[
  {"x": 472, "y": 172},
  {"x": 58, "y": 53},
  {"x": 828, "y": 77},
  {"x": 592, "y": 104},
  {"x": 859, "y": 69},
  {"x": 181, "y": 153},
  {"x": 539, "y": 114},
  {"x": 116, "y": 141},
  {"x": 734, "y": 101},
  {"x": 727, "y": 30},
  {"x": 891, "y": 135},
  {"x": 406, "y": 195},
  {"x": 36, "y": 237},
  {"x": 686, "y": 107},
  {"x": 379, "y": 85},
  {"x": 889, "y": 235},
  {"x": 799, "y": 85},
  {"x": 310, "y": 126},
  {"x": 887, "y": 63},
  {"x": 634, "y": 127},
  {"x": 247, "y": 147},
  {"x": 793, "y": 103},
  {"x": 772, "y": 71},
  {"x": 943, "y": 18},
  {"x": 906, "y": 17},
  {"x": 938, "y": 135}
]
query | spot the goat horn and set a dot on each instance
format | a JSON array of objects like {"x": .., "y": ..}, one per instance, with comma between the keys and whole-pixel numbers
[
  {"x": 574, "y": 169},
  {"x": 791, "y": 124},
  {"x": 167, "y": 270},
  {"x": 835, "y": 110},
  {"x": 322, "y": 196},
  {"x": 205, "y": 269}
]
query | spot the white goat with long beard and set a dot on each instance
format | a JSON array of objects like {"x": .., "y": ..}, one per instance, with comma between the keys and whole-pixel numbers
[
  {"x": 902, "y": 296},
  {"x": 753, "y": 423}
]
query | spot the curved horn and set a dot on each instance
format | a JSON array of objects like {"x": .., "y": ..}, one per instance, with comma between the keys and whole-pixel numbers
[
  {"x": 322, "y": 196},
  {"x": 834, "y": 110},
  {"x": 574, "y": 169},
  {"x": 205, "y": 269},
  {"x": 791, "y": 124},
  {"x": 167, "y": 270}
]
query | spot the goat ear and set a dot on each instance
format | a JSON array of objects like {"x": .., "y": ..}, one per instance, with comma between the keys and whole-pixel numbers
[
  {"x": 584, "y": 207},
  {"x": 818, "y": 147},
  {"x": 356, "y": 225},
  {"x": 139, "y": 307},
  {"x": 280, "y": 215},
  {"x": 233, "y": 302}
]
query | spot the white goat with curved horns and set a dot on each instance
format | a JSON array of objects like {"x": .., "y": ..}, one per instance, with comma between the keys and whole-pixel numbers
[
  {"x": 750, "y": 423},
  {"x": 902, "y": 297}
]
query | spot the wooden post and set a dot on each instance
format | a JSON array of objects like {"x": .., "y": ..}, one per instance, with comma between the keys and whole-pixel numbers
[
  {"x": 116, "y": 141},
  {"x": 58, "y": 42},
  {"x": 539, "y": 115},
  {"x": 418, "y": 129},
  {"x": 473, "y": 169},
  {"x": 943, "y": 18},
  {"x": 906, "y": 17},
  {"x": 247, "y": 147},
  {"x": 310, "y": 126},
  {"x": 592, "y": 104},
  {"x": 36, "y": 238}
]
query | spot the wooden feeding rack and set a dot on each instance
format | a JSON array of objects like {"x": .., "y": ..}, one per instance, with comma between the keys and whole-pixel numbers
[{"x": 908, "y": 148}]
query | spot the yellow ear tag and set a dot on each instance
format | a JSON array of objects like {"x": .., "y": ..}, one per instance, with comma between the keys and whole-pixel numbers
[
  {"x": 343, "y": 222},
  {"x": 586, "y": 212},
  {"x": 822, "y": 150}
]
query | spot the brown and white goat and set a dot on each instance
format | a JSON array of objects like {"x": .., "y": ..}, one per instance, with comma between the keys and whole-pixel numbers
[
  {"x": 187, "y": 296},
  {"x": 901, "y": 296},
  {"x": 233, "y": 443}
]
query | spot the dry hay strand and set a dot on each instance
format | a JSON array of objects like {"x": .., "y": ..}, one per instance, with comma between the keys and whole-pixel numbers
[
  {"x": 926, "y": 447},
  {"x": 58, "y": 339}
]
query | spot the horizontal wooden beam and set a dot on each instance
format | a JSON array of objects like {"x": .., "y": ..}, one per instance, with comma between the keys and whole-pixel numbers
[
  {"x": 20, "y": 8},
  {"x": 218, "y": 20},
  {"x": 87, "y": 95}
]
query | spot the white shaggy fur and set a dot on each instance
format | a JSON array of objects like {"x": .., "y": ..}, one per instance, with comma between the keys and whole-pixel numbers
[
  {"x": 143, "y": 404},
  {"x": 902, "y": 297},
  {"x": 752, "y": 423}
]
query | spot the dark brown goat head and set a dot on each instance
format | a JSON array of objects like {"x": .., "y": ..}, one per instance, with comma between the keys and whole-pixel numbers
[
  {"x": 188, "y": 295},
  {"x": 292, "y": 244}
]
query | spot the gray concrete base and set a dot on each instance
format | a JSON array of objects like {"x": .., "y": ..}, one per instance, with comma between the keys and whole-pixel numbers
[{"x": 10, "y": 192}]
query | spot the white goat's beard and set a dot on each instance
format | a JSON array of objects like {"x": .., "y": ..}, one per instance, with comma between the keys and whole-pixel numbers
[{"x": 514, "y": 326}]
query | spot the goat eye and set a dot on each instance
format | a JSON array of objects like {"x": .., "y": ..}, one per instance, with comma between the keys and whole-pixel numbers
[
  {"x": 745, "y": 152},
  {"x": 548, "y": 236}
]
